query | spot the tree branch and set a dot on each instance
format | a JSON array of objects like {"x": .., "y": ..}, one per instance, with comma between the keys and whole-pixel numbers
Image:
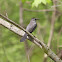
[
  {"x": 52, "y": 28},
  {"x": 36, "y": 41},
  {"x": 21, "y": 13},
  {"x": 52, "y": 24},
  {"x": 37, "y": 10},
  {"x": 11, "y": 27},
  {"x": 21, "y": 23}
]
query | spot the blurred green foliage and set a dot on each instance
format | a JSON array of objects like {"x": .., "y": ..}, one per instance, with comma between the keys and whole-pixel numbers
[{"x": 11, "y": 50}]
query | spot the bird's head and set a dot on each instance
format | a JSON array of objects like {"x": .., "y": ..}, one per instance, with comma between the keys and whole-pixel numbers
[{"x": 34, "y": 19}]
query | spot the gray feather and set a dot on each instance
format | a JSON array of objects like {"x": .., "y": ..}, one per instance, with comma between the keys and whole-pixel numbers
[{"x": 24, "y": 38}]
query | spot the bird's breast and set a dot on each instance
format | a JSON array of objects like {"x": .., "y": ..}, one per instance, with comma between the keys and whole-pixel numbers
[{"x": 31, "y": 26}]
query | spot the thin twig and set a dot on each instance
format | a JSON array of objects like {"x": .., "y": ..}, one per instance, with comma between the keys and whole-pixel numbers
[
  {"x": 37, "y": 10},
  {"x": 60, "y": 31},
  {"x": 21, "y": 13}
]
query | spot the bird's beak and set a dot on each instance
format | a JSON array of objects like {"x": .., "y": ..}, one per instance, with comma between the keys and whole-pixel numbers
[{"x": 37, "y": 18}]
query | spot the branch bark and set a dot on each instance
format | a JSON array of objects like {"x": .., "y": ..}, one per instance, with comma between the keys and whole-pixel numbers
[{"x": 36, "y": 41}]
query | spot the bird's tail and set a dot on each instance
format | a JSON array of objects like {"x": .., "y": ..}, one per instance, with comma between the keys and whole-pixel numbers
[{"x": 24, "y": 38}]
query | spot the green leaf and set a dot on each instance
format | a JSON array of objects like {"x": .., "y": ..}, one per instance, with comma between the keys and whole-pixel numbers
[
  {"x": 44, "y": 1},
  {"x": 23, "y": 1},
  {"x": 37, "y": 2},
  {"x": 48, "y": 1}
]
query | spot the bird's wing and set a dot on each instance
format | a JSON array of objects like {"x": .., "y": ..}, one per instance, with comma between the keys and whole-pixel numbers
[{"x": 31, "y": 27}]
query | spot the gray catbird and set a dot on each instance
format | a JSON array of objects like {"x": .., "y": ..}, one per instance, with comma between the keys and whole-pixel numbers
[{"x": 30, "y": 28}]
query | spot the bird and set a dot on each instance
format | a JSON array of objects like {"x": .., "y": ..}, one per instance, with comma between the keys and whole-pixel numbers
[{"x": 30, "y": 28}]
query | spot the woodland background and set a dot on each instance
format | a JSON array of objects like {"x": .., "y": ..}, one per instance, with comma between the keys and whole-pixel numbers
[{"x": 49, "y": 27}]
